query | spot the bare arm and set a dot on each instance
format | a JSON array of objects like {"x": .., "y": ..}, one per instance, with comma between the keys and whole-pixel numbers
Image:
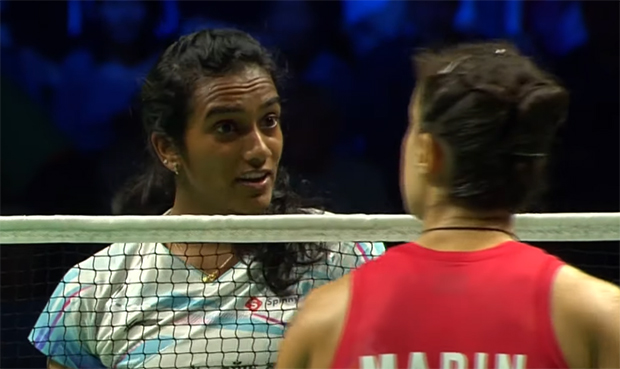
[
  {"x": 295, "y": 349},
  {"x": 312, "y": 338},
  {"x": 51, "y": 364},
  {"x": 607, "y": 327}
]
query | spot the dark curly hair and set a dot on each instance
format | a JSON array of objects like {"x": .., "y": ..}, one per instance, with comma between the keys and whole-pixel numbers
[
  {"x": 498, "y": 114},
  {"x": 166, "y": 96}
]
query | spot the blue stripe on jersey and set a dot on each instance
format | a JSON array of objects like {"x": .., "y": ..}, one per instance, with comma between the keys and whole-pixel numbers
[
  {"x": 138, "y": 354},
  {"x": 73, "y": 355},
  {"x": 63, "y": 344},
  {"x": 255, "y": 324},
  {"x": 58, "y": 338},
  {"x": 72, "y": 276},
  {"x": 372, "y": 249},
  {"x": 179, "y": 302}
]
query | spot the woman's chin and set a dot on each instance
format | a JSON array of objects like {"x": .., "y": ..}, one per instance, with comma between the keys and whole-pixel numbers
[{"x": 254, "y": 206}]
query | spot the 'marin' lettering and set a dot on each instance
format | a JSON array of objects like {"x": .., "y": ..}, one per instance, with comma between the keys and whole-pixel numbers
[{"x": 447, "y": 360}]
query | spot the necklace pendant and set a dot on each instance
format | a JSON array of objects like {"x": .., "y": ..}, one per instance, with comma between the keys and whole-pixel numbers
[{"x": 209, "y": 277}]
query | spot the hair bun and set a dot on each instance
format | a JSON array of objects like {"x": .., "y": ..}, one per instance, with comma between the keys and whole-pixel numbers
[{"x": 541, "y": 109}]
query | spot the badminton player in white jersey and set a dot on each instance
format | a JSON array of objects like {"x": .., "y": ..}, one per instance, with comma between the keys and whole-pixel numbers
[{"x": 212, "y": 112}]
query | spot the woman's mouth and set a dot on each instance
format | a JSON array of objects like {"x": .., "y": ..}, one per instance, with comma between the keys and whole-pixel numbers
[{"x": 258, "y": 179}]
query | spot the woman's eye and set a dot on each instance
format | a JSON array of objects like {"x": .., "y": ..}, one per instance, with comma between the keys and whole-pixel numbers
[
  {"x": 271, "y": 121},
  {"x": 225, "y": 127}
]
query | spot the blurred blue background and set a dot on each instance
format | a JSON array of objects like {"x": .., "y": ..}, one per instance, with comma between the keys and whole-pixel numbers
[{"x": 71, "y": 133}]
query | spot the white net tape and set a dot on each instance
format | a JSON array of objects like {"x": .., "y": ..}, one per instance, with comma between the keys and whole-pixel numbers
[{"x": 281, "y": 228}]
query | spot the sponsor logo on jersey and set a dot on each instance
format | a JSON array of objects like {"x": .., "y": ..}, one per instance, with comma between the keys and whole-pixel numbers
[{"x": 255, "y": 303}]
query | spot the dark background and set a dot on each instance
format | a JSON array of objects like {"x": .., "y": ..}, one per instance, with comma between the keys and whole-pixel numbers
[{"x": 70, "y": 130}]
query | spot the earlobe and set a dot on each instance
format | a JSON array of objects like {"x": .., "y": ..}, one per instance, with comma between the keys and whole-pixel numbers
[
  {"x": 166, "y": 152},
  {"x": 161, "y": 146}
]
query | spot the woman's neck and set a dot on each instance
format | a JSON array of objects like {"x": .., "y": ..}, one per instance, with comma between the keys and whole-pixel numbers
[
  {"x": 207, "y": 257},
  {"x": 187, "y": 204},
  {"x": 451, "y": 228}
]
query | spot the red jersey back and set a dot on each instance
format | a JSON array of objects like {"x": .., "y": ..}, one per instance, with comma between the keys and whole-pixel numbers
[{"x": 419, "y": 308}]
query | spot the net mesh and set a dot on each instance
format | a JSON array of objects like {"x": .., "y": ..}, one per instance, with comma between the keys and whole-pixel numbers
[{"x": 162, "y": 313}]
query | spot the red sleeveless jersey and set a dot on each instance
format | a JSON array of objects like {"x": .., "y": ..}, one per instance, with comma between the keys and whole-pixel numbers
[{"x": 419, "y": 308}]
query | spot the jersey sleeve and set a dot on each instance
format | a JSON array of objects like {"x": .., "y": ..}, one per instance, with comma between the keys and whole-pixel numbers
[
  {"x": 351, "y": 255},
  {"x": 341, "y": 259},
  {"x": 65, "y": 331}
]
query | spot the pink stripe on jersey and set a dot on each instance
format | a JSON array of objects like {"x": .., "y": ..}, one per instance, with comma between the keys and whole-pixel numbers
[
  {"x": 268, "y": 319},
  {"x": 362, "y": 251}
]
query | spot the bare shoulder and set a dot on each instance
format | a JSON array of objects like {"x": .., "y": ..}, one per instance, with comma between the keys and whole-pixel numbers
[
  {"x": 325, "y": 306},
  {"x": 596, "y": 297},
  {"x": 586, "y": 314}
]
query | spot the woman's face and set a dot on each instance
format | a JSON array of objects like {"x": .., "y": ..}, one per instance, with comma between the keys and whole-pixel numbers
[
  {"x": 233, "y": 144},
  {"x": 412, "y": 184}
]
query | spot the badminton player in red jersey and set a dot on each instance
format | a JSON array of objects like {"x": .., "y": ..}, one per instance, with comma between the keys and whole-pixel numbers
[{"x": 466, "y": 293}]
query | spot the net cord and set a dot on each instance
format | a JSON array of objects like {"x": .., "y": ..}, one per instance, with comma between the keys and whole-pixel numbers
[{"x": 572, "y": 227}]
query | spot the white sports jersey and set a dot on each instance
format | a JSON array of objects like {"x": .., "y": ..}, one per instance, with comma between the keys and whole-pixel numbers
[{"x": 138, "y": 306}]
